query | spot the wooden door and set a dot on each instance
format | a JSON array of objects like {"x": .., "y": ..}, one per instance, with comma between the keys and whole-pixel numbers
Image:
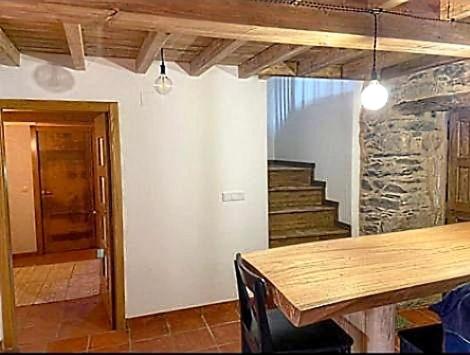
[
  {"x": 102, "y": 208},
  {"x": 66, "y": 183},
  {"x": 458, "y": 203}
]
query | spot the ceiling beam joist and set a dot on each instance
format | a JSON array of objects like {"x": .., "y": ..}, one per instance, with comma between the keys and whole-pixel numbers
[
  {"x": 153, "y": 43},
  {"x": 361, "y": 68},
  {"x": 9, "y": 54},
  {"x": 218, "y": 50},
  {"x": 73, "y": 33},
  {"x": 247, "y": 20},
  {"x": 456, "y": 9},
  {"x": 326, "y": 58},
  {"x": 388, "y": 4},
  {"x": 273, "y": 55}
]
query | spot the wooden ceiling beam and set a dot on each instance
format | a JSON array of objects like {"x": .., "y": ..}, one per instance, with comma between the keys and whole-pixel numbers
[
  {"x": 275, "y": 54},
  {"x": 361, "y": 68},
  {"x": 73, "y": 33},
  {"x": 9, "y": 54},
  {"x": 458, "y": 9},
  {"x": 325, "y": 58},
  {"x": 153, "y": 43},
  {"x": 289, "y": 69},
  {"x": 455, "y": 9},
  {"x": 387, "y": 4},
  {"x": 217, "y": 51},
  {"x": 247, "y": 20}
]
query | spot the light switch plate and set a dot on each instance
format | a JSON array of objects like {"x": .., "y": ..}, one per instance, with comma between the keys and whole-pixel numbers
[
  {"x": 238, "y": 196},
  {"x": 233, "y": 196},
  {"x": 226, "y": 197}
]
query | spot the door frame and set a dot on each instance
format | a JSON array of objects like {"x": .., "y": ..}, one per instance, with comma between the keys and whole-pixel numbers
[{"x": 6, "y": 261}]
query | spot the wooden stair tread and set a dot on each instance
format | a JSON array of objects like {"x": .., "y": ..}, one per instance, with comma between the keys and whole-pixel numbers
[
  {"x": 295, "y": 188},
  {"x": 287, "y": 168},
  {"x": 310, "y": 233},
  {"x": 318, "y": 208}
]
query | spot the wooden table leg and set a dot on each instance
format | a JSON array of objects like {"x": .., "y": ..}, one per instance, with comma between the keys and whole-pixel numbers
[{"x": 380, "y": 329}]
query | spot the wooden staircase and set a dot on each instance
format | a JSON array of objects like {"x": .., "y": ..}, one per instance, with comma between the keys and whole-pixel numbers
[{"x": 298, "y": 209}]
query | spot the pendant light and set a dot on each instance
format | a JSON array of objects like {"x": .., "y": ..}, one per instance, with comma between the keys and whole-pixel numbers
[
  {"x": 375, "y": 95},
  {"x": 163, "y": 84}
]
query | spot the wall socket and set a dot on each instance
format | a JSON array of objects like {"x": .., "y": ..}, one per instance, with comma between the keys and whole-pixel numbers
[{"x": 233, "y": 196}]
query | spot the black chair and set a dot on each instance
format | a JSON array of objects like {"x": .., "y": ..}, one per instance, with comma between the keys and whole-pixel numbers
[
  {"x": 266, "y": 330},
  {"x": 420, "y": 340}
]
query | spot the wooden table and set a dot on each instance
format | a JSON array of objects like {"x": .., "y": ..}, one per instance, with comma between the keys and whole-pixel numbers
[{"x": 315, "y": 281}]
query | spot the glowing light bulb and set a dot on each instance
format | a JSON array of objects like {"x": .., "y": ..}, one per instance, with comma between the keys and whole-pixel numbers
[
  {"x": 374, "y": 96},
  {"x": 163, "y": 84}
]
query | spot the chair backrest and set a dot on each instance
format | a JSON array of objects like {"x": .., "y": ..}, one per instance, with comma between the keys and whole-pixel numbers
[{"x": 256, "y": 335}]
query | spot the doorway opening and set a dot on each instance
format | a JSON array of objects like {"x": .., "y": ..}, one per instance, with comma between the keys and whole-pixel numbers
[{"x": 62, "y": 220}]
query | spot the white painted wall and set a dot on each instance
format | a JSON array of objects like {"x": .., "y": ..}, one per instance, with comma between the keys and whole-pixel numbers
[
  {"x": 20, "y": 187},
  {"x": 326, "y": 132},
  {"x": 179, "y": 153}
]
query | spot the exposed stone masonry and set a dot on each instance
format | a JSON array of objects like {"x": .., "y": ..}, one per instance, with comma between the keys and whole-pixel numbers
[{"x": 404, "y": 150}]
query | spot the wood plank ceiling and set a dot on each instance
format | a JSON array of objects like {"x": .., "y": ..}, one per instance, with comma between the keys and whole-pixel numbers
[{"x": 301, "y": 41}]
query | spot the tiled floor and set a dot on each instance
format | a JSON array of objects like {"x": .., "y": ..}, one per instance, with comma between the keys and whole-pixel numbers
[
  {"x": 81, "y": 326},
  {"x": 39, "y": 284},
  {"x": 41, "y": 325}
]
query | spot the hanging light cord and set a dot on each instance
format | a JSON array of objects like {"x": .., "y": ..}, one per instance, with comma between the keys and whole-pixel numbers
[
  {"x": 376, "y": 36},
  {"x": 344, "y": 8},
  {"x": 162, "y": 66}
]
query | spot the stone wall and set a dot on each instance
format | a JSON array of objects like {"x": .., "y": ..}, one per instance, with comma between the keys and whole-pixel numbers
[{"x": 404, "y": 150}]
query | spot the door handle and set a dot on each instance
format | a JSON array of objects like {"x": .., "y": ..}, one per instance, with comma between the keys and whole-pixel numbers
[{"x": 46, "y": 193}]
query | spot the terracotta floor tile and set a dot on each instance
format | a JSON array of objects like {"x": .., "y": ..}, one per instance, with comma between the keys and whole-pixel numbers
[
  {"x": 75, "y": 329},
  {"x": 230, "y": 348},
  {"x": 112, "y": 349},
  {"x": 33, "y": 348},
  {"x": 74, "y": 345},
  {"x": 146, "y": 328},
  {"x": 220, "y": 313},
  {"x": 185, "y": 320},
  {"x": 226, "y": 333},
  {"x": 194, "y": 341},
  {"x": 109, "y": 339},
  {"x": 37, "y": 335},
  {"x": 84, "y": 309},
  {"x": 51, "y": 313},
  {"x": 163, "y": 345}
]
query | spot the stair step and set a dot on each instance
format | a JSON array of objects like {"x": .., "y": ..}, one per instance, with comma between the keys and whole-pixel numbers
[
  {"x": 302, "y": 218},
  {"x": 311, "y": 233},
  {"x": 296, "y": 188},
  {"x": 282, "y": 199},
  {"x": 307, "y": 236},
  {"x": 286, "y": 168},
  {"x": 319, "y": 208},
  {"x": 280, "y": 176}
]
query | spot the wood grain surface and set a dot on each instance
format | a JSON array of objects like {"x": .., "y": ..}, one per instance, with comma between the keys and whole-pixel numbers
[{"x": 314, "y": 281}]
